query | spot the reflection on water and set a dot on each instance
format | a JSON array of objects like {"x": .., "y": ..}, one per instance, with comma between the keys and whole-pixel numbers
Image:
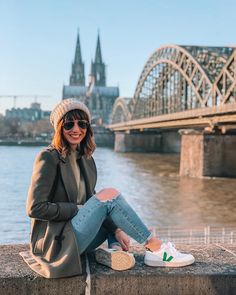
[{"x": 150, "y": 183}]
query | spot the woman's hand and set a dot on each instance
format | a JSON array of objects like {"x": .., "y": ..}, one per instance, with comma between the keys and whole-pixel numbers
[{"x": 123, "y": 239}]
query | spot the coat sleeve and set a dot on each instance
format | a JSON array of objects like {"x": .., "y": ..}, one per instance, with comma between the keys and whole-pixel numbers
[{"x": 39, "y": 205}]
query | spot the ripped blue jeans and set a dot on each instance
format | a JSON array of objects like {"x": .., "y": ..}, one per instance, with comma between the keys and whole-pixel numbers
[{"x": 87, "y": 223}]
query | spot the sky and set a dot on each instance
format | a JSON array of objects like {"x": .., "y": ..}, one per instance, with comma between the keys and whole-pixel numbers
[{"x": 38, "y": 38}]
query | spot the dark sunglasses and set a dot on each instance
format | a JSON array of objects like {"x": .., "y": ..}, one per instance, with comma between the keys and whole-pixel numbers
[{"x": 70, "y": 124}]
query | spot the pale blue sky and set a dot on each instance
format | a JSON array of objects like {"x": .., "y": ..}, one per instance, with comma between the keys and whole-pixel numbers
[{"x": 37, "y": 39}]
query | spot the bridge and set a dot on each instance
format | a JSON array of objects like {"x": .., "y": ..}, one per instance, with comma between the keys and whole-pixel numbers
[
  {"x": 191, "y": 87},
  {"x": 181, "y": 86}
]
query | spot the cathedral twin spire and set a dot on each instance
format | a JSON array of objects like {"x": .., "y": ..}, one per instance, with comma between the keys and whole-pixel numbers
[
  {"x": 77, "y": 77},
  {"x": 78, "y": 54},
  {"x": 98, "y": 55}
]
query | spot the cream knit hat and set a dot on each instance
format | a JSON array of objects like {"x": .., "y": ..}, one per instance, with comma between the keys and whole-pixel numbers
[{"x": 64, "y": 107}]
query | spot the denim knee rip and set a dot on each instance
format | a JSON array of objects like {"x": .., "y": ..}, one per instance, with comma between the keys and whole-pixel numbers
[{"x": 107, "y": 200}]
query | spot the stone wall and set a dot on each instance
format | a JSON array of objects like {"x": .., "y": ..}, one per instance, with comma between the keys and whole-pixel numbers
[{"x": 214, "y": 272}]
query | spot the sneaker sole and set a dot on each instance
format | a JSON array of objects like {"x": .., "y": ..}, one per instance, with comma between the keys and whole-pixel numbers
[
  {"x": 117, "y": 260},
  {"x": 168, "y": 264}
]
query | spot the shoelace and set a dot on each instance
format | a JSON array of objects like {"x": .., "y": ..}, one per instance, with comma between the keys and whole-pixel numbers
[{"x": 171, "y": 249}]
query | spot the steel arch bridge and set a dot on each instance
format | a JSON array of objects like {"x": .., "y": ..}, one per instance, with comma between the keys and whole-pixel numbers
[
  {"x": 180, "y": 83},
  {"x": 121, "y": 110}
]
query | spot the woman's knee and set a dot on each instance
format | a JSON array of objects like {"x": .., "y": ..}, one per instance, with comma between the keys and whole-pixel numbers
[{"x": 107, "y": 194}]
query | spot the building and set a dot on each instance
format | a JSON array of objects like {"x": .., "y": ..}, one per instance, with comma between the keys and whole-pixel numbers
[
  {"x": 97, "y": 96},
  {"x": 33, "y": 113}
]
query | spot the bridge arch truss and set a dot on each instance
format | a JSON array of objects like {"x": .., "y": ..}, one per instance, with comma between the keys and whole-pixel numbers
[
  {"x": 121, "y": 110},
  {"x": 179, "y": 78}
]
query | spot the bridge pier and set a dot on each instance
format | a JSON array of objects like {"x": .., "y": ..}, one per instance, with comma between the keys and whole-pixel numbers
[
  {"x": 147, "y": 141},
  {"x": 205, "y": 154},
  {"x": 170, "y": 142},
  {"x": 103, "y": 137},
  {"x": 137, "y": 142}
]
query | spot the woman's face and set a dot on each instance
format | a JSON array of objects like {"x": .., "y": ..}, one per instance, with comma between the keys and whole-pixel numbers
[{"x": 74, "y": 131}]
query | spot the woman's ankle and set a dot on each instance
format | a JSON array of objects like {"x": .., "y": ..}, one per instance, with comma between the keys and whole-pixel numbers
[
  {"x": 154, "y": 244},
  {"x": 116, "y": 247}
]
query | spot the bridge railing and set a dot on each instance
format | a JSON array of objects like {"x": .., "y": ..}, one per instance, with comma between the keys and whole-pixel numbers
[{"x": 196, "y": 235}]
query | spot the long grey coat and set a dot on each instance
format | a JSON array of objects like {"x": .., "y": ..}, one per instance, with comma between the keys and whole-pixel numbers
[{"x": 51, "y": 203}]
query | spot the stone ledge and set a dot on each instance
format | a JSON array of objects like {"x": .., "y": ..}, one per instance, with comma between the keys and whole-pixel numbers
[
  {"x": 214, "y": 272},
  {"x": 16, "y": 278}
]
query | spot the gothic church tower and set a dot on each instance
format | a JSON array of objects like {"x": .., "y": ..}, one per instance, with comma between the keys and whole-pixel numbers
[
  {"x": 97, "y": 96},
  {"x": 77, "y": 77},
  {"x": 98, "y": 68}
]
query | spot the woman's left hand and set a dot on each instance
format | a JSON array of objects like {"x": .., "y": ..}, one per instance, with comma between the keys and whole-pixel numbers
[{"x": 123, "y": 239}]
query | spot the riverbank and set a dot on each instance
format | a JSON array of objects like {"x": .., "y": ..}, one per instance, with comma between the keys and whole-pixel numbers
[
  {"x": 23, "y": 143},
  {"x": 103, "y": 138},
  {"x": 214, "y": 272}
]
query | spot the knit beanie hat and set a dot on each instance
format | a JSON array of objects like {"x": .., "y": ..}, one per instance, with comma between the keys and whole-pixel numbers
[{"x": 64, "y": 107}]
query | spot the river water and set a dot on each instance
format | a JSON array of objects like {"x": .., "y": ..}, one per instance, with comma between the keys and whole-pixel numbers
[{"x": 149, "y": 182}]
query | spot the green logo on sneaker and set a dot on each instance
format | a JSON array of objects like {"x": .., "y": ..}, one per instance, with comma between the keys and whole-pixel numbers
[{"x": 165, "y": 257}]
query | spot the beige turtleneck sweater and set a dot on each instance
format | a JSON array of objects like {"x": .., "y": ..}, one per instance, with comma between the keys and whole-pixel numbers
[{"x": 81, "y": 198}]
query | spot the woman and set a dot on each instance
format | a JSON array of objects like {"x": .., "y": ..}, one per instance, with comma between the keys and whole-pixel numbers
[{"x": 70, "y": 219}]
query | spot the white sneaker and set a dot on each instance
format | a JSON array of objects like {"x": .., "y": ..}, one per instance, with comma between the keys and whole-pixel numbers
[
  {"x": 168, "y": 256},
  {"x": 115, "y": 259}
]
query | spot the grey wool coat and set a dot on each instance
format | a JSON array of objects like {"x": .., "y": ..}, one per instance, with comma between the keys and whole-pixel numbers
[{"x": 51, "y": 204}]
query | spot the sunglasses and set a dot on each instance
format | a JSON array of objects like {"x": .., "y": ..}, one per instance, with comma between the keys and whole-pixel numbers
[{"x": 70, "y": 124}]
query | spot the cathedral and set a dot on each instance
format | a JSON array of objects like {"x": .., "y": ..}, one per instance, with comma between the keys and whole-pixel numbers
[{"x": 96, "y": 95}]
